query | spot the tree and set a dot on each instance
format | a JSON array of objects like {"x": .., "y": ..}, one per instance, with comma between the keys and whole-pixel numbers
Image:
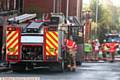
[{"x": 107, "y": 20}]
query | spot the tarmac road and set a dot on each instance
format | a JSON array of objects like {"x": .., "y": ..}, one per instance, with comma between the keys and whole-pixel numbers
[{"x": 88, "y": 71}]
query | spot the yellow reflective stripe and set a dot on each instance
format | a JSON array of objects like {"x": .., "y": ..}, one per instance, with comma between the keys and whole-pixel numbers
[
  {"x": 47, "y": 48},
  {"x": 16, "y": 42},
  {"x": 16, "y": 49},
  {"x": 12, "y": 39},
  {"x": 47, "y": 42},
  {"x": 56, "y": 37},
  {"x": 54, "y": 42},
  {"x": 13, "y": 32}
]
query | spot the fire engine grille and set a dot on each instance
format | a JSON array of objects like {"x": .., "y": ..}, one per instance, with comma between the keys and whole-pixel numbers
[{"x": 32, "y": 53}]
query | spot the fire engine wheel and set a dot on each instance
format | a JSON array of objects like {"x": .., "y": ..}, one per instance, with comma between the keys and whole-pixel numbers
[
  {"x": 18, "y": 67},
  {"x": 62, "y": 66},
  {"x": 30, "y": 66},
  {"x": 59, "y": 67}
]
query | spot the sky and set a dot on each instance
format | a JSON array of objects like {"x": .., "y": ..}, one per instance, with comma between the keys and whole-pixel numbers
[
  {"x": 115, "y": 2},
  {"x": 86, "y": 1}
]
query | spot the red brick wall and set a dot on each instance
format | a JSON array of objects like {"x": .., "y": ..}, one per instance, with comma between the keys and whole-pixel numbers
[
  {"x": 72, "y": 7},
  {"x": 63, "y": 6},
  {"x": 45, "y": 6}
]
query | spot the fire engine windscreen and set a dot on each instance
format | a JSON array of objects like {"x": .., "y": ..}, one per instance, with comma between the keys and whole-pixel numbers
[{"x": 32, "y": 53}]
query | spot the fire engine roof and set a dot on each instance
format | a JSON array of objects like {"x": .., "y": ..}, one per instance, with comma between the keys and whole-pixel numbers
[
  {"x": 35, "y": 24},
  {"x": 73, "y": 20},
  {"x": 23, "y": 17}
]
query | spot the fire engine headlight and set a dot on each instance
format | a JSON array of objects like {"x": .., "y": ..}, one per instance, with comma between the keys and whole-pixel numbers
[{"x": 11, "y": 28}]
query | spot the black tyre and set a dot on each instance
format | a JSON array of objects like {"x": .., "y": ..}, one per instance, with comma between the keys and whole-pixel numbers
[
  {"x": 18, "y": 67},
  {"x": 30, "y": 66},
  {"x": 61, "y": 66}
]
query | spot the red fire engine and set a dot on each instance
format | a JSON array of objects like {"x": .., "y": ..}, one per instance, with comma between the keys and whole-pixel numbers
[
  {"x": 113, "y": 37},
  {"x": 38, "y": 44}
]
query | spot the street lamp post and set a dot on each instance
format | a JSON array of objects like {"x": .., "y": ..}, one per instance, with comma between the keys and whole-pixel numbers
[
  {"x": 54, "y": 1},
  {"x": 67, "y": 8},
  {"x": 97, "y": 1}
]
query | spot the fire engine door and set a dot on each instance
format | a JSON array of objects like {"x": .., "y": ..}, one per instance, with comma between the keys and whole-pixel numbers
[{"x": 13, "y": 43}]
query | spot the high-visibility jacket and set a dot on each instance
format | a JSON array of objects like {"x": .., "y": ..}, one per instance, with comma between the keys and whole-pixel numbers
[
  {"x": 105, "y": 47},
  {"x": 70, "y": 44},
  {"x": 112, "y": 47},
  {"x": 88, "y": 47}
]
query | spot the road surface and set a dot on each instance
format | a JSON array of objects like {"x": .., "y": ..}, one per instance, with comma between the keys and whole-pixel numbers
[{"x": 88, "y": 71}]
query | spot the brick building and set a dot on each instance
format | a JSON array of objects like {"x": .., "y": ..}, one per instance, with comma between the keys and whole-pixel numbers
[
  {"x": 10, "y": 6},
  {"x": 47, "y": 6},
  {"x": 43, "y": 6}
]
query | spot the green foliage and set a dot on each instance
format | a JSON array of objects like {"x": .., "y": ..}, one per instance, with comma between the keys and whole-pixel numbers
[{"x": 108, "y": 19}]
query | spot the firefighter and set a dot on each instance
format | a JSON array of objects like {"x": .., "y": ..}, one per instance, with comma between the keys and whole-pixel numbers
[
  {"x": 112, "y": 50},
  {"x": 96, "y": 49},
  {"x": 105, "y": 50},
  {"x": 87, "y": 50},
  {"x": 71, "y": 54}
]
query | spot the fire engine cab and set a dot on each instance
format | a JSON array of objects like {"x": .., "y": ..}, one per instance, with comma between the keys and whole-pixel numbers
[{"x": 38, "y": 44}]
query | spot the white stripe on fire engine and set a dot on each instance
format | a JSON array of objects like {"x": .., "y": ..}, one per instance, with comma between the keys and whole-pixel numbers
[
  {"x": 13, "y": 32},
  {"x": 48, "y": 49},
  {"x": 56, "y": 37},
  {"x": 54, "y": 42},
  {"x": 11, "y": 41}
]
